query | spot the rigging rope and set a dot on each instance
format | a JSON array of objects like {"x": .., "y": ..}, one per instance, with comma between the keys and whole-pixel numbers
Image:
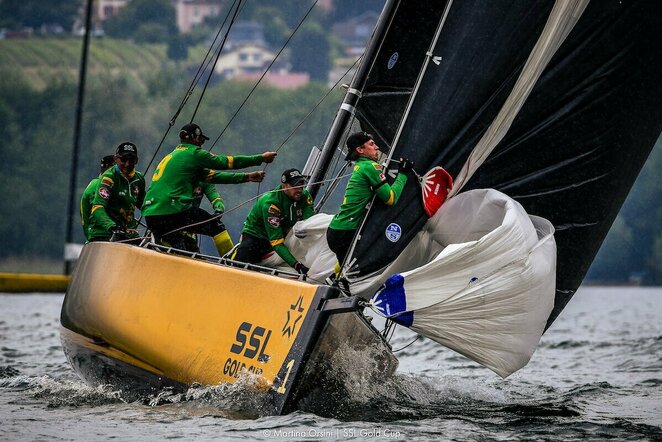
[
  {"x": 331, "y": 188},
  {"x": 334, "y": 184},
  {"x": 263, "y": 75},
  {"x": 218, "y": 54},
  {"x": 320, "y": 101},
  {"x": 331, "y": 89},
  {"x": 400, "y": 349},
  {"x": 196, "y": 78}
]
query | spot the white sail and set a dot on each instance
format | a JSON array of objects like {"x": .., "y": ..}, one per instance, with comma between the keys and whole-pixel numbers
[
  {"x": 488, "y": 294},
  {"x": 307, "y": 242}
]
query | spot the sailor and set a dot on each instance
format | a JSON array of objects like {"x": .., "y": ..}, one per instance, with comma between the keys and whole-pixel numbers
[
  {"x": 120, "y": 190},
  {"x": 169, "y": 206},
  {"x": 272, "y": 217},
  {"x": 207, "y": 188},
  {"x": 367, "y": 179},
  {"x": 87, "y": 198}
]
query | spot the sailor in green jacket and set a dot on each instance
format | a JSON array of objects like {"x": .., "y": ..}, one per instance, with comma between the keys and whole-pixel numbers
[
  {"x": 207, "y": 188},
  {"x": 272, "y": 216},
  {"x": 169, "y": 208},
  {"x": 87, "y": 198},
  {"x": 120, "y": 190},
  {"x": 367, "y": 179}
]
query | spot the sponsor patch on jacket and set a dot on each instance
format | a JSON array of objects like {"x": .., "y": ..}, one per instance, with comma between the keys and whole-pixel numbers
[
  {"x": 107, "y": 181},
  {"x": 104, "y": 193},
  {"x": 309, "y": 201},
  {"x": 274, "y": 221},
  {"x": 377, "y": 166},
  {"x": 273, "y": 209}
]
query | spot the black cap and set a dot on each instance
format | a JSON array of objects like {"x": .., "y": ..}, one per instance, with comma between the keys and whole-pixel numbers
[
  {"x": 293, "y": 177},
  {"x": 107, "y": 161},
  {"x": 357, "y": 139},
  {"x": 127, "y": 149},
  {"x": 190, "y": 130}
]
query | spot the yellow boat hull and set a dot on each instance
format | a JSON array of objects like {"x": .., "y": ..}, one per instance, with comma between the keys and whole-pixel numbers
[{"x": 136, "y": 316}]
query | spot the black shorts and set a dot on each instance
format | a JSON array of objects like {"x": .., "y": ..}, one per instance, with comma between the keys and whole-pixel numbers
[
  {"x": 251, "y": 249},
  {"x": 339, "y": 242},
  {"x": 170, "y": 228}
]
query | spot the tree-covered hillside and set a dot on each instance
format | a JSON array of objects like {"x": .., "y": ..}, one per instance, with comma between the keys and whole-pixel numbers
[{"x": 129, "y": 98}]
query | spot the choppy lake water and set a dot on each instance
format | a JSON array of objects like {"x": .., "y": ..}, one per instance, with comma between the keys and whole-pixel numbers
[{"x": 597, "y": 374}]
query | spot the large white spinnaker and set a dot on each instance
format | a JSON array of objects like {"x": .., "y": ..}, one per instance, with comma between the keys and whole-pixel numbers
[{"x": 489, "y": 292}]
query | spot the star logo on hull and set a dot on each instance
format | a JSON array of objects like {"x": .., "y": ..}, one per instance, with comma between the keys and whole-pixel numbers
[{"x": 294, "y": 314}]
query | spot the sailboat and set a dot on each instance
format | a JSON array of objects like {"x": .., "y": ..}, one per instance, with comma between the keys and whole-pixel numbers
[{"x": 542, "y": 113}]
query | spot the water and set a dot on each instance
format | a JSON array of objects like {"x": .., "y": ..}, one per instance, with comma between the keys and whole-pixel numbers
[{"x": 597, "y": 374}]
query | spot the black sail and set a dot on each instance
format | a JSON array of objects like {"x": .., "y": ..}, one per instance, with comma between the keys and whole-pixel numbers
[
  {"x": 577, "y": 144},
  {"x": 396, "y": 67}
]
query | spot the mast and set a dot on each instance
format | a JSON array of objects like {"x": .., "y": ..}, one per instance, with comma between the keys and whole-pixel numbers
[
  {"x": 74, "y": 154},
  {"x": 348, "y": 106}
]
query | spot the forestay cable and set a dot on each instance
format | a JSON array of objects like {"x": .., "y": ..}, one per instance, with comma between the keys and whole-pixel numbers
[
  {"x": 320, "y": 101},
  {"x": 263, "y": 75},
  {"x": 198, "y": 75},
  {"x": 218, "y": 54}
]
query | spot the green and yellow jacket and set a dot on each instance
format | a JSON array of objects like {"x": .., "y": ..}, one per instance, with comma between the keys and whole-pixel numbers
[
  {"x": 115, "y": 201},
  {"x": 86, "y": 202},
  {"x": 273, "y": 215},
  {"x": 367, "y": 179},
  {"x": 174, "y": 179}
]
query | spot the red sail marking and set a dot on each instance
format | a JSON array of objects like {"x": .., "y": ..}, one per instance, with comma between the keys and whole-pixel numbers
[{"x": 435, "y": 185}]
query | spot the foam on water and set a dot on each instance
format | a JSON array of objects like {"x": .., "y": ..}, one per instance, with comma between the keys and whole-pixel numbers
[{"x": 61, "y": 393}]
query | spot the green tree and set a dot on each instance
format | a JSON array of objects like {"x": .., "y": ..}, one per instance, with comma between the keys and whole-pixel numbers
[
  {"x": 276, "y": 30},
  {"x": 177, "y": 48},
  {"x": 36, "y": 125},
  {"x": 151, "y": 33},
  {"x": 310, "y": 51},
  {"x": 346, "y": 9},
  {"x": 291, "y": 11},
  {"x": 17, "y": 14},
  {"x": 614, "y": 262},
  {"x": 655, "y": 261},
  {"x": 632, "y": 245},
  {"x": 139, "y": 17},
  {"x": 643, "y": 212}
]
